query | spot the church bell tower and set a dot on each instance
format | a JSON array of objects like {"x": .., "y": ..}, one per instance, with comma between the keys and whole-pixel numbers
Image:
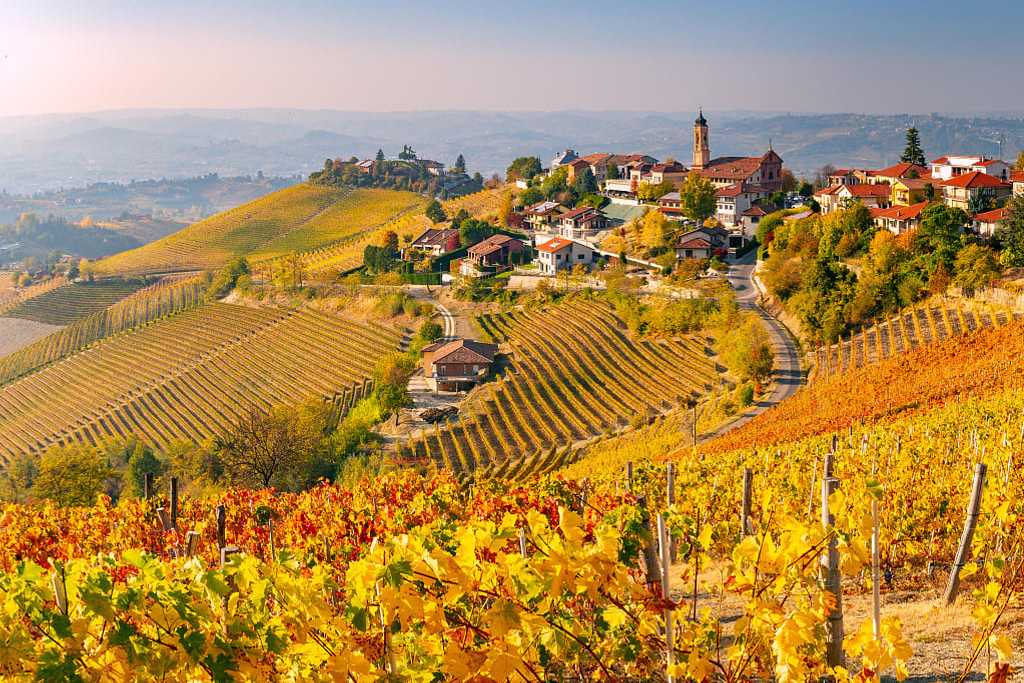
[{"x": 701, "y": 147}]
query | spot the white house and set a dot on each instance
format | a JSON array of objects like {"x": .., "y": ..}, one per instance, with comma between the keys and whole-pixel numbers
[
  {"x": 899, "y": 219},
  {"x": 987, "y": 223},
  {"x": 558, "y": 253},
  {"x": 949, "y": 167},
  {"x": 563, "y": 158},
  {"x": 840, "y": 196},
  {"x": 732, "y": 201},
  {"x": 1018, "y": 182}
]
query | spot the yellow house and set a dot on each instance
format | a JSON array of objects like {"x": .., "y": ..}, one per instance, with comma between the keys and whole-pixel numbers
[{"x": 910, "y": 191}]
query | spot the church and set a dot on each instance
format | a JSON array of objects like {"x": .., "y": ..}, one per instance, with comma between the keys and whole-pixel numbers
[{"x": 763, "y": 172}]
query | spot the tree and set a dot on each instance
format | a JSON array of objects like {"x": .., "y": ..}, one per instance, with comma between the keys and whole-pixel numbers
[
  {"x": 523, "y": 168},
  {"x": 460, "y": 165},
  {"x": 805, "y": 190},
  {"x": 913, "y": 153},
  {"x": 938, "y": 238},
  {"x": 1011, "y": 233},
  {"x": 585, "y": 183},
  {"x": 649, "y": 192},
  {"x": 267, "y": 448},
  {"x": 555, "y": 183},
  {"x": 71, "y": 475},
  {"x": 1019, "y": 164},
  {"x": 976, "y": 266},
  {"x": 472, "y": 231},
  {"x": 505, "y": 209},
  {"x": 613, "y": 172},
  {"x": 380, "y": 155},
  {"x": 697, "y": 197},
  {"x": 656, "y": 232},
  {"x": 789, "y": 183},
  {"x": 435, "y": 212}
]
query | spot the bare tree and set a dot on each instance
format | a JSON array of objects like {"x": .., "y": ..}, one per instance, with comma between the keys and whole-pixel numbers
[{"x": 267, "y": 448}]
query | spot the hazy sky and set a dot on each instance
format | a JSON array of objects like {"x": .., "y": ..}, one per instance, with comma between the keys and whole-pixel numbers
[{"x": 373, "y": 55}]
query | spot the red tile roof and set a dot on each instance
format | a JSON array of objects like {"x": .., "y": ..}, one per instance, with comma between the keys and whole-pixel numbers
[
  {"x": 940, "y": 160},
  {"x": 435, "y": 237},
  {"x": 1017, "y": 176},
  {"x": 755, "y": 210},
  {"x": 732, "y": 168},
  {"x": 901, "y": 170},
  {"x": 900, "y": 213},
  {"x": 462, "y": 351},
  {"x": 993, "y": 216},
  {"x": 577, "y": 212},
  {"x": 695, "y": 243},
  {"x": 831, "y": 189},
  {"x": 490, "y": 245},
  {"x": 554, "y": 244},
  {"x": 865, "y": 190},
  {"x": 974, "y": 179}
]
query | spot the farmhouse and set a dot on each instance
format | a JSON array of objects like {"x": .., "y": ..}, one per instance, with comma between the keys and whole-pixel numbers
[
  {"x": 1017, "y": 178},
  {"x": 457, "y": 365},
  {"x": 841, "y": 196},
  {"x": 896, "y": 172},
  {"x": 559, "y": 253},
  {"x": 436, "y": 241},
  {"x": 494, "y": 255},
  {"x": 733, "y": 200}
]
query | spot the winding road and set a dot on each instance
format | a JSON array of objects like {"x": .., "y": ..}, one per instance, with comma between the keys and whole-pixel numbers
[{"x": 787, "y": 377}]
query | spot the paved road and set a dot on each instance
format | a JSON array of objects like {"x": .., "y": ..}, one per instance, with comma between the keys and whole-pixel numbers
[
  {"x": 447, "y": 319},
  {"x": 787, "y": 377}
]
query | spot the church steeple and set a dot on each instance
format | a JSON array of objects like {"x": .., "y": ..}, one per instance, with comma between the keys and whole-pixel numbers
[{"x": 701, "y": 145}]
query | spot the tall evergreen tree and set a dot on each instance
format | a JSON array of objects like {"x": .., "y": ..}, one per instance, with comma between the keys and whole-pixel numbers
[
  {"x": 380, "y": 155},
  {"x": 460, "y": 165},
  {"x": 913, "y": 153}
]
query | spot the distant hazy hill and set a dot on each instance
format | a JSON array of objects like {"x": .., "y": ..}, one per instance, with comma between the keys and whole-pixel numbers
[
  {"x": 67, "y": 150},
  {"x": 297, "y": 218}
]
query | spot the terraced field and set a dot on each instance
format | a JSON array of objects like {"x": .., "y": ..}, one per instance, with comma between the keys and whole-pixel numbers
[
  {"x": 189, "y": 377},
  {"x": 72, "y": 302},
  {"x": 236, "y": 232},
  {"x": 11, "y": 298},
  {"x": 576, "y": 373},
  {"x": 53, "y": 343},
  {"x": 935, "y": 320},
  {"x": 346, "y": 253}
]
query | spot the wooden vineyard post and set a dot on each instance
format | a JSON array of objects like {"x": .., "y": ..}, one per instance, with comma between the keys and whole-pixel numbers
[
  {"x": 221, "y": 530},
  {"x": 191, "y": 542},
  {"x": 666, "y": 594},
  {"x": 174, "y": 502},
  {"x": 670, "y": 500},
  {"x": 522, "y": 543},
  {"x": 830, "y": 573},
  {"x": 973, "y": 507},
  {"x": 629, "y": 476},
  {"x": 649, "y": 552},
  {"x": 876, "y": 574},
  {"x": 270, "y": 533},
  {"x": 748, "y": 484},
  {"x": 147, "y": 485}
]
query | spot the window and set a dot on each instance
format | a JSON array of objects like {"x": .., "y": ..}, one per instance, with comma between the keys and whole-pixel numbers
[{"x": 579, "y": 257}]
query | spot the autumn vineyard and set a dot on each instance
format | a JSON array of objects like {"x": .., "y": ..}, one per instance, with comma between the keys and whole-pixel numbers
[{"x": 613, "y": 500}]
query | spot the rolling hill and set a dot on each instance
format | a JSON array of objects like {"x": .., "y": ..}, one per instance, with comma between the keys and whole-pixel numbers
[{"x": 297, "y": 218}]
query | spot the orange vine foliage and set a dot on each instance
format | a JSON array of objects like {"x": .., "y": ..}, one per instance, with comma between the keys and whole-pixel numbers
[{"x": 972, "y": 365}]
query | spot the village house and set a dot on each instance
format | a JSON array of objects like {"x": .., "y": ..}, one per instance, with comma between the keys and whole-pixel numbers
[
  {"x": 435, "y": 242},
  {"x": 574, "y": 169},
  {"x": 987, "y": 223},
  {"x": 899, "y": 219},
  {"x": 559, "y": 253},
  {"x": 582, "y": 222},
  {"x": 432, "y": 167},
  {"x": 891, "y": 174},
  {"x": 845, "y": 176},
  {"x": 366, "y": 166},
  {"x": 909, "y": 191},
  {"x": 563, "y": 158},
  {"x": 493, "y": 255},
  {"x": 1017, "y": 177},
  {"x": 949, "y": 167},
  {"x": 750, "y": 219},
  {"x": 841, "y": 196},
  {"x": 702, "y": 243},
  {"x": 543, "y": 215},
  {"x": 600, "y": 162},
  {"x": 969, "y": 189},
  {"x": 732, "y": 201},
  {"x": 457, "y": 365},
  {"x": 671, "y": 204}
]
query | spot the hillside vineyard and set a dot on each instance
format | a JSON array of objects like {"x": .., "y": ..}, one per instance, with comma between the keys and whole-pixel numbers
[
  {"x": 189, "y": 377},
  {"x": 575, "y": 373},
  {"x": 932, "y": 321}
]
